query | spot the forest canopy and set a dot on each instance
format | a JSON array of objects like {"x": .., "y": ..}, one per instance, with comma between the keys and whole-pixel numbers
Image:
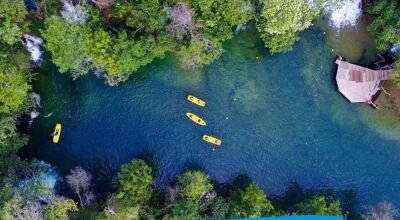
[
  {"x": 280, "y": 22},
  {"x": 115, "y": 38},
  {"x": 15, "y": 76}
]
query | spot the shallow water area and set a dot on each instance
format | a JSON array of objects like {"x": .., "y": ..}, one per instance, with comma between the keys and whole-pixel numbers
[{"x": 279, "y": 116}]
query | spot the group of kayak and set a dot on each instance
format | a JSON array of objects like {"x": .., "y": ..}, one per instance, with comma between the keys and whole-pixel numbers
[
  {"x": 196, "y": 119},
  {"x": 191, "y": 116}
]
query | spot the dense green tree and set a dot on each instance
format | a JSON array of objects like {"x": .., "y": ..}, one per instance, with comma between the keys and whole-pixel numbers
[
  {"x": 14, "y": 88},
  {"x": 33, "y": 199},
  {"x": 218, "y": 17},
  {"x": 12, "y": 20},
  {"x": 13, "y": 99},
  {"x": 6, "y": 192},
  {"x": 185, "y": 209},
  {"x": 386, "y": 28},
  {"x": 319, "y": 205},
  {"x": 131, "y": 54},
  {"x": 17, "y": 208},
  {"x": 59, "y": 208},
  {"x": 47, "y": 8},
  {"x": 78, "y": 47},
  {"x": 219, "y": 208},
  {"x": 10, "y": 139},
  {"x": 135, "y": 32},
  {"x": 99, "y": 52},
  {"x": 118, "y": 209},
  {"x": 214, "y": 21},
  {"x": 142, "y": 40},
  {"x": 386, "y": 23},
  {"x": 135, "y": 181},
  {"x": 149, "y": 39},
  {"x": 13, "y": 64},
  {"x": 197, "y": 53},
  {"x": 280, "y": 21},
  {"x": 88, "y": 213},
  {"x": 14, "y": 208},
  {"x": 147, "y": 32},
  {"x": 142, "y": 15},
  {"x": 67, "y": 41},
  {"x": 194, "y": 184},
  {"x": 191, "y": 202},
  {"x": 250, "y": 203}
]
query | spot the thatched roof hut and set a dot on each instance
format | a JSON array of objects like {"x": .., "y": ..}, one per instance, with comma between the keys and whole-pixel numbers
[{"x": 358, "y": 84}]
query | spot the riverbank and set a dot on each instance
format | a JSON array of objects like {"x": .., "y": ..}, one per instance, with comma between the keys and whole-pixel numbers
[
  {"x": 358, "y": 46},
  {"x": 392, "y": 101},
  {"x": 303, "y": 125},
  {"x": 386, "y": 119},
  {"x": 279, "y": 115}
]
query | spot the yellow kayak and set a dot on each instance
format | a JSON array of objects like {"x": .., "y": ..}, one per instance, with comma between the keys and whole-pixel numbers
[
  {"x": 196, "y": 101},
  {"x": 196, "y": 119},
  {"x": 212, "y": 140},
  {"x": 57, "y": 133}
]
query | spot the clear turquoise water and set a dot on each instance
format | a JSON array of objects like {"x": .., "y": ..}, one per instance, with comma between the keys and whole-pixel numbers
[{"x": 279, "y": 116}]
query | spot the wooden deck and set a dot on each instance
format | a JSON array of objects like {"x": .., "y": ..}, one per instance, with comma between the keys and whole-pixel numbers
[{"x": 357, "y": 83}]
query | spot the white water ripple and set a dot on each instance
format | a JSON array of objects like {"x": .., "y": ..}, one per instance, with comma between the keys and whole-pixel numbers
[{"x": 345, "y": 13}]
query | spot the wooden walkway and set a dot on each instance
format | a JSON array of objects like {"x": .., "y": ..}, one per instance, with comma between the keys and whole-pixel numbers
[{"x": 357, "y": 83}]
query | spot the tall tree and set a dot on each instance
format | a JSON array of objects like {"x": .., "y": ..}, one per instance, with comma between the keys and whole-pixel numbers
[
  {"x": 13, "y": 88},
  {"x": 58, "y": 208},
  {"x": 386, "y": 28},
  {"x": 319, "y": 205},
  {"x": 381, "y": 211},
  {"x": 194, "y": 184},
  {"x": 79, "y": 180},
  {"x": 214, "y": 21},
  {"x": 67, "y": 42},
  {"x": 385, "y": 25},
  {"x": 12, "y": 20},
  {"x": 185, "y": 209},
  {"x": 218, "y": 17},
  {"x": 280, "y": 21},
  {"x": 219, "y": 208},
  {"x": 14, "y": 76},
  {"x": 81, "y": 45},
  {"x": 135, "y": 181},
  {"x": 117, "y": 209},
  {"x": 34, "y": 199},
  {"x": 148, "y": 16},
  {"x": 15, "y": 208},
  {"x": 250, "y": 203}
]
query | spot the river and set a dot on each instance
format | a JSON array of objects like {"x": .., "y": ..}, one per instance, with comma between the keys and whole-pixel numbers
[{"x": 280, "y": 117}]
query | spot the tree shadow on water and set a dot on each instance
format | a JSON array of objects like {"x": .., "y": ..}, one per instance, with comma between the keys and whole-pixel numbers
[{"x": 105, "y": 170}]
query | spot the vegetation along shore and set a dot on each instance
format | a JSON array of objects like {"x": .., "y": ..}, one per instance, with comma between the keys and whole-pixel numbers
[{"x": 114, "y": 39}]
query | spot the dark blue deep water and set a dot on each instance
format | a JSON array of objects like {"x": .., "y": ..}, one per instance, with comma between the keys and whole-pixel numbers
[{"x": 280, "y": 117}]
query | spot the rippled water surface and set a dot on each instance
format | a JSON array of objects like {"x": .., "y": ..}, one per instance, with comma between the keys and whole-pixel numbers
[{"x": 279, "y": 116}]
